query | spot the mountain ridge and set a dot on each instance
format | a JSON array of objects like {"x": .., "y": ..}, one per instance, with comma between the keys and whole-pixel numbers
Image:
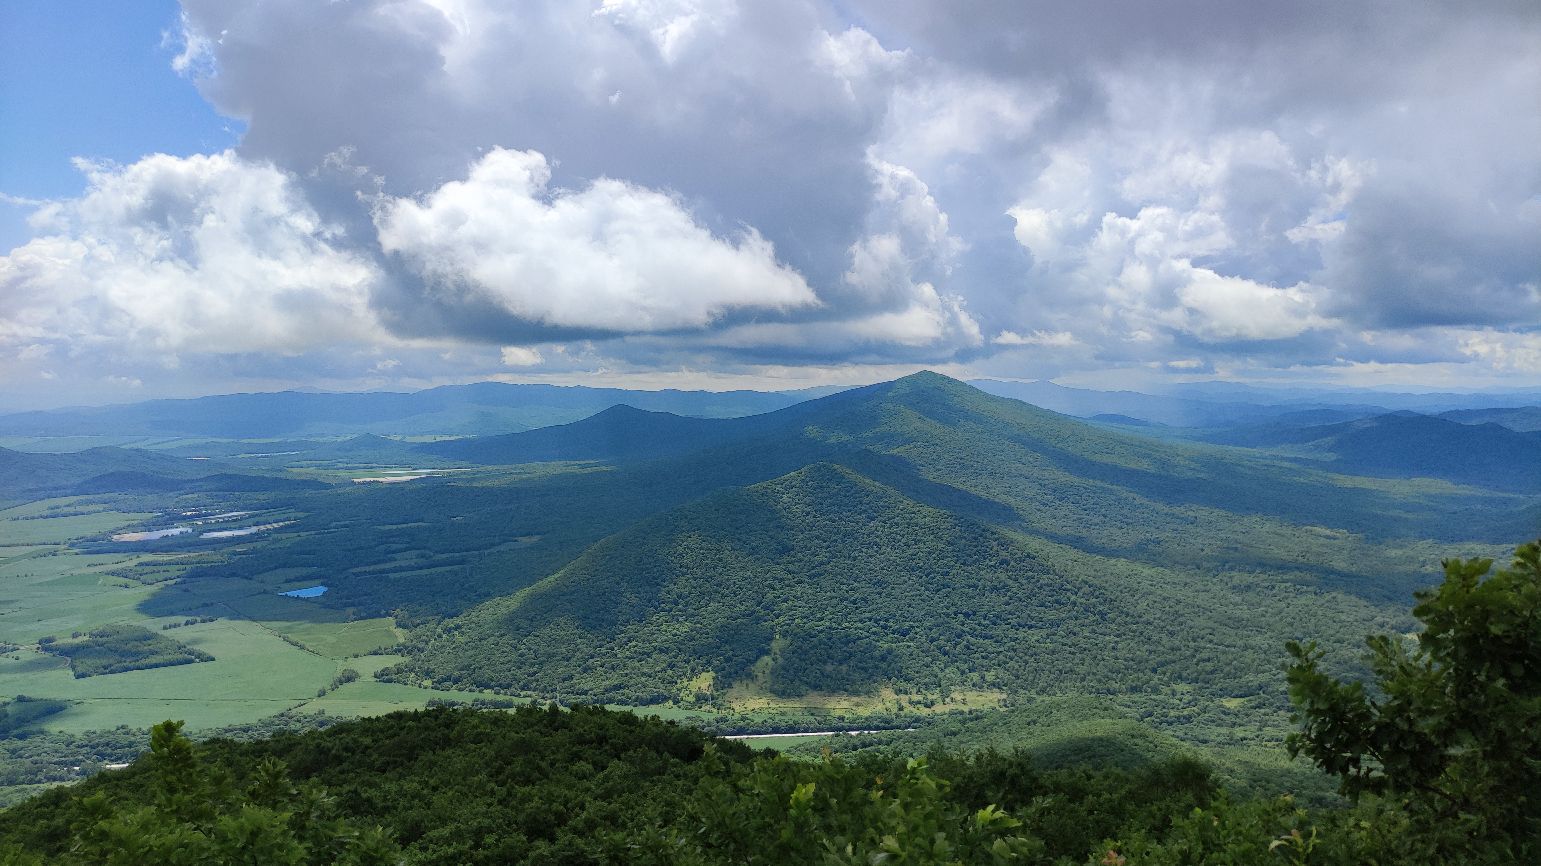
[{"x": 1124, "y": 517}]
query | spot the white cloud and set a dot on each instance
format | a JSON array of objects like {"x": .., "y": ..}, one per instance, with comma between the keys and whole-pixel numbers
[
  {"x": 1509, "y": 352},
  {"x": 857, "y": 58},
  {"x": 1051, "y": 339},
  {"x": 203, "y": 254},
  {"x": 672, "y": 25},
  {"x": 611, "y": 257},
  {"x": 1143, "y": 243},
  {"x": 713, "y": 178},
  {"x": 1224, "y": 308},
  {"x": 930, "y": 323},
  {"x": 894, "y": 269},
  {"x": 521, "y": 356},
  {"x": 947, "y": 113},
  {"x": 195, "y": 50}
]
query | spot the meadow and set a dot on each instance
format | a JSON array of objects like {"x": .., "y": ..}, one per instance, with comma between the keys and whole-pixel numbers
[{"x": 271, "y": 654}]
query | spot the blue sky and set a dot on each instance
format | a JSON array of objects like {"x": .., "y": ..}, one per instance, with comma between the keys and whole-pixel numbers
[
  {"x": 744, "y": 193},
  {"x": 88, "y": 79},
  {"x": 94, "y": 80}
]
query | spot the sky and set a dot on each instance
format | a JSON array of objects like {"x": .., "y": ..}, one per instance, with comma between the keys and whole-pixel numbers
[{"x": 210, "y": 197}]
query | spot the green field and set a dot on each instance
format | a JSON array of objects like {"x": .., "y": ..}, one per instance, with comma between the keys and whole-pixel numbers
[
  {"x": 31, "y": 524},
  {"x": 271, "y": 653},
  {"x": 58, "y": 592},
  {"x": 340, "y": 640}
]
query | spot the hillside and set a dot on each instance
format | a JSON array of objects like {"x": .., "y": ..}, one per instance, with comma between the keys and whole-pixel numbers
[
  {"x": 824, "y": 580},
  {"x": 921, "y": 534}
]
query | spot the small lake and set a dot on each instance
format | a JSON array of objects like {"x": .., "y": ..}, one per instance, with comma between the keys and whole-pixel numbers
[
  {"x": 250, "y": 530},
  {"x": 307, "y": 592},
  {"x": 228, "y": 515},
  {"x": 151, "y": 536}
]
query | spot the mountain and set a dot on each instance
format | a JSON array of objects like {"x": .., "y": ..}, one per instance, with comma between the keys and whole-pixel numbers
[
  {"x": 1122, "y": 420},
  {"x": 1409, "y": 445},
  {"x": 478, "y": 408},
  {"x": 922, "y": 534},
  {"x": 824, "y": 580},
  {"x": 617, "y": 433}
]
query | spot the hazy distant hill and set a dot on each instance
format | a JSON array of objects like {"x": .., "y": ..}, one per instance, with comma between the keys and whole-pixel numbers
[
  {"x": 1525, "y": 419},
  {"x": 1176, "y": 411},
  {"x": 222, "y": 482},
  {"x": 1408, "y": 445},
  {"x": 25, "y": 475},
  {"x": 484, "y": 407},
  {"x": 617, "y": 433}
]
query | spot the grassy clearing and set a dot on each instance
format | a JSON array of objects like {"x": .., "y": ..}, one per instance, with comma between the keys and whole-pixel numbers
[
  {"x": 250, "y": 663},
  {"x": 13, "y": 794},
  {"x": 750, "y": 697},
  {"x": 271, "y": 653},
  {"x": 255, "y": 673},
  {"x": 368, "y": 666},
  {"x": 340, "y": 640},
  {"x": 785, "y": 742},
  {"x": 29, "y": 524},
  {"x": 367, "y": 698},
  {"x": 12, "y": 553},
  {"x": 57, "y": 593}
]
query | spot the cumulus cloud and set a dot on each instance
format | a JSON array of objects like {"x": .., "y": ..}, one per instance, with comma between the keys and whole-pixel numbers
[
  {"x": 1192, "y": 186},
  {"x": 613, "y": 257},
  {"x": 1057, "y": 339},
  {"x": 521, "y": 356},
  {"x": 1508, "y": 352},
  {"x": 204, "y": 254}
]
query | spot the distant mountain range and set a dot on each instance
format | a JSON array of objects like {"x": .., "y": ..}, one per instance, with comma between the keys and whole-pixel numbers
[
  {"x": 489, "y": 408},
  {"x": 1224, "y": 405},
  {"x": 484, "y": 407}
]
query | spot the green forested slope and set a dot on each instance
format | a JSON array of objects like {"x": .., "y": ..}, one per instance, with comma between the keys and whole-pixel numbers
[{"x": 833, "y": 582}]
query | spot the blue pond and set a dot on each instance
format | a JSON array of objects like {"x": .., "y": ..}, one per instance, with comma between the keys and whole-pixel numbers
[{"x": 307, "y": 592}]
